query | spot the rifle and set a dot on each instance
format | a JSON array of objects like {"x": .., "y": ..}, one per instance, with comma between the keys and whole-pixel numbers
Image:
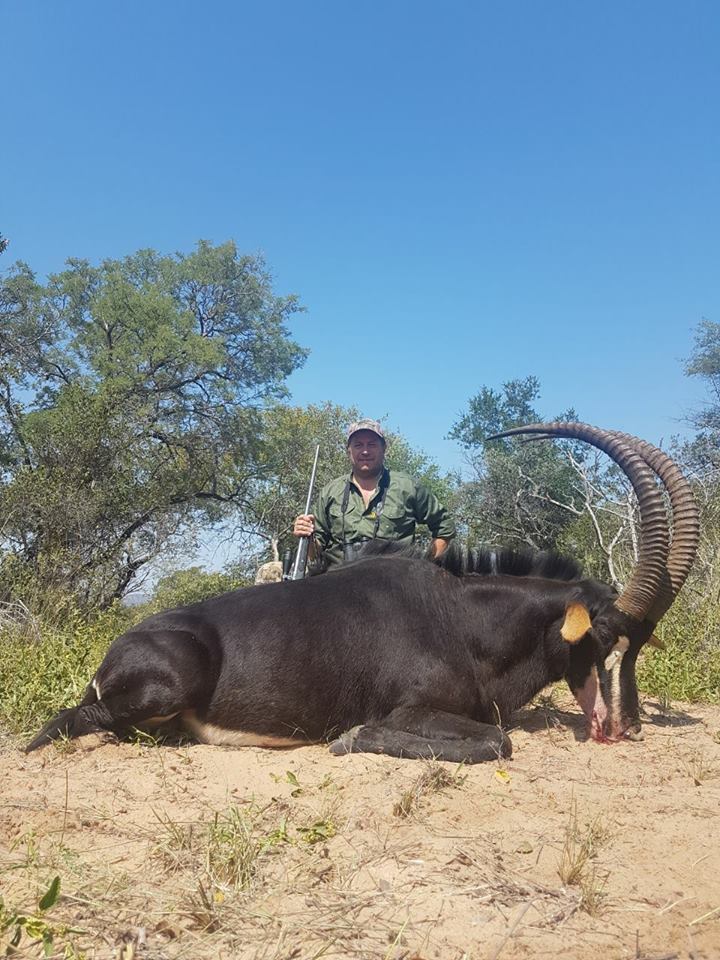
[{"x": 298, "y": 572}]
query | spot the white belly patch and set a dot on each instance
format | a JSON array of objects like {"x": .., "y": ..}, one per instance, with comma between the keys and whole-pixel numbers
[{"x": 223, "y": 736}]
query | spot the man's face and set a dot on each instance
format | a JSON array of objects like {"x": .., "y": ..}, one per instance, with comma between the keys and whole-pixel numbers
[{"x": 367, "y": 453}]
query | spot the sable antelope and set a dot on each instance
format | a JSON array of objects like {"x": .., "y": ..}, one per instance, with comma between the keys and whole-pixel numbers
[{"x": 400, "y": 655}]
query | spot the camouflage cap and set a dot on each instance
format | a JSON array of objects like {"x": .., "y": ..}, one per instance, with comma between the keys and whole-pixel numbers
[{"x": 365, "y": 424}]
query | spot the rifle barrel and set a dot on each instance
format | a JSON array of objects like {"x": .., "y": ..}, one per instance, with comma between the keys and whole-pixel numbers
[{"x": 302, "y": 550}]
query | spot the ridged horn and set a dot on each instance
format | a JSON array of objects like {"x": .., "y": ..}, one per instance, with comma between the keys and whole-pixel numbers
[
  {"x": 650, "y": 577},
  {"x": 685, "y": 525}
]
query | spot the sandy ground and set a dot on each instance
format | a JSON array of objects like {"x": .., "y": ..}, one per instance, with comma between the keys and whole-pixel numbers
[{"x": 570, "y": 849}]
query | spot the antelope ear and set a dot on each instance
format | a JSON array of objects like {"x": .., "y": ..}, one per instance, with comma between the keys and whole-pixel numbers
[
  {"x": 576, "y": 623},
  {"x": 654, "y": 641}
]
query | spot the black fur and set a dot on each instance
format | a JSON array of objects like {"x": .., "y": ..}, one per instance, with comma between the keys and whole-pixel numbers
[{"x": 426, "y": 660}]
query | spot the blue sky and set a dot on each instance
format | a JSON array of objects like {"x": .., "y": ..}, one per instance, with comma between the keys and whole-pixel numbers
[{"x": 460, "y": 193}]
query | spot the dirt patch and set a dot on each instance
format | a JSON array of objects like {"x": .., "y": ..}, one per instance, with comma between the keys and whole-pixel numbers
[{"x": 570, "y": 849}]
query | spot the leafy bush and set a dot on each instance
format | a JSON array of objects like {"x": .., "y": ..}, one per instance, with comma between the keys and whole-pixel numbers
[
  {"x": 689, "y": 666},
  {"x": 191, "y": 586},
  {"x": 40, "y": 676}
]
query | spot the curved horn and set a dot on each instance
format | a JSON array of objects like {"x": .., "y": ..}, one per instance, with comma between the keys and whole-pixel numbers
[
  {"x": 685, "y": 522},
  {"x": 650, "y": 576}
]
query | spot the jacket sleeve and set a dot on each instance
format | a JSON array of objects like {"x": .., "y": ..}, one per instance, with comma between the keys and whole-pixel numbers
[{"x": 429, "y": 510}]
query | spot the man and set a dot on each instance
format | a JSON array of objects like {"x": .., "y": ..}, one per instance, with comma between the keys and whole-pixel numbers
[{"x": 372, "y": 502}]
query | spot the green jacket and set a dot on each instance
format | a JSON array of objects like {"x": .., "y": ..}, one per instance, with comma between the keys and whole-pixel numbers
[{"x": 407, "y": 503}]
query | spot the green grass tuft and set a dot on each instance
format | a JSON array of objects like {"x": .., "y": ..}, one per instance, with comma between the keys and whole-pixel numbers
[
  {"x": 38, "y": 677},
  {"x": 689, "y": 667}
]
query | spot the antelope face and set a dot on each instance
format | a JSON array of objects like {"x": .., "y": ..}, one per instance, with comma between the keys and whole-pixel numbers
[{"x": 601, "y": 675}]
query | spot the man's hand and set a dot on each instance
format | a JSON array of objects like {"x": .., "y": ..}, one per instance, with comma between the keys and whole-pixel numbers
[{"x": 304, "y": 525}]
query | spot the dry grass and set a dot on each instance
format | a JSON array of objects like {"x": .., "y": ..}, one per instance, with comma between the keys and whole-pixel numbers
[
  {"x": 699, "y": 767},
  {"x": 593, "y": 891},
  {"x": 576, "y": 868},
  {"x": 245, "y": 881},
  {"x": 433, "y": 779}
]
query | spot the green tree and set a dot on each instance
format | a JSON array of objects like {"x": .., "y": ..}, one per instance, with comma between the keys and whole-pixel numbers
[
  {"x": 519, "y": 491},
  {"x": 701, "y": 458},
  {"x": 131, "y": 399},
  {"x": 563, "y": 495},
  {"x": 492, "y": 411},
  {"x": 704, "y": 362},
  {"x": 191, "y": 585}
]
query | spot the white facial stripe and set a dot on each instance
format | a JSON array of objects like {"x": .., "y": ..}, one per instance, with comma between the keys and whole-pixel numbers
[
  {"x": 614, "y": 705},
  {"x": 613, "y": 663},
  {"x": 614, "y": 658}
]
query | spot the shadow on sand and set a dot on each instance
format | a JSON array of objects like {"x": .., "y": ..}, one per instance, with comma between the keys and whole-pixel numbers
[{"x": 544, "y": 717}]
